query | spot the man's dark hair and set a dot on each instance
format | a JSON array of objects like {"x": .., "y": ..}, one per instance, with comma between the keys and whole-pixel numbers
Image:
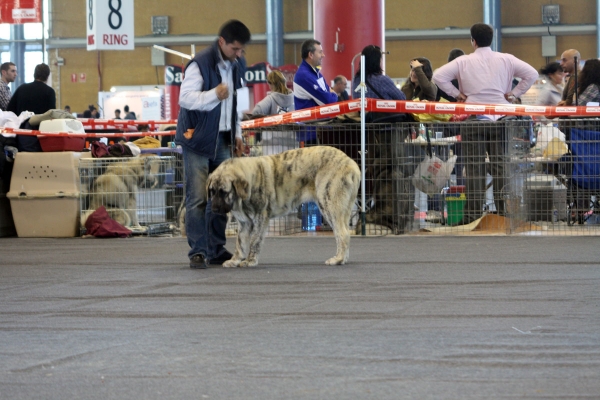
[
  {"x": 234, "y": 31},
  {"x": 551, "y": 68},
  {"x": 372, "y": 55},
  {"x": 6, "y": 66},
  {"x": 590, "y": 74},
  {"x": 483, "y": 34},
  {"x": 41, "y": 73},
  {"x": 117, "y": 111},
  {"x": 454, "y": 54},
  {"x": 126, "y": 108},
  {"x": 309, "y": 46}
]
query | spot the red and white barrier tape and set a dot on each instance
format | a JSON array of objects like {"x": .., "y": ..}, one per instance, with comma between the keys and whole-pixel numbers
[
  {"x": 90, "y": 123},
  {"x": 419, "y": 107},
  {"x": 29, "y": 132},
  {"x": 333, "y": 110}
]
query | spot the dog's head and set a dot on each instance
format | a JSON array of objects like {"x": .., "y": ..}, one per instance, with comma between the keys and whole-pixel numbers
[{"x": 225, "y": 187}]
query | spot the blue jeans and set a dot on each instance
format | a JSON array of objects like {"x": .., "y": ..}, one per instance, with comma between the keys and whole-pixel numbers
[{"x": 205, "y": 230}]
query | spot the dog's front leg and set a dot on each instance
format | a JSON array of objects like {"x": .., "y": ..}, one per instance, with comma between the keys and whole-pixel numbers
[
  {"x": 241, "y": 246},
  {"x": 257, "y": 234}
]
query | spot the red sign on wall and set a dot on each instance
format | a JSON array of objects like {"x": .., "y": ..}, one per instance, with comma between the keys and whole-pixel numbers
[
  {"x": 20, "y": 11},
  {"x": 73, "y": 78}
]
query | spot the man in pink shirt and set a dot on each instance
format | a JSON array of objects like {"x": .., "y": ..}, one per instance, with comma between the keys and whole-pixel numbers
[{"x": 484, "y": 77}]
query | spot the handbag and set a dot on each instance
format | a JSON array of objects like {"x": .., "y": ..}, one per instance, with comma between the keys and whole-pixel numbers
[
  {"x": 99, "y": 149},
  {"x": 432, "y": 173}
]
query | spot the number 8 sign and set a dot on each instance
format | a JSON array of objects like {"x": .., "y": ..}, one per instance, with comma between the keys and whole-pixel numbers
[{"x": 110, "y": 25}]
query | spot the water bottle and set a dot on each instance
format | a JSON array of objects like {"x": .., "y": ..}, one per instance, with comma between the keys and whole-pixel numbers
[
  {"x": 311, "y": 217},
  {"x": 554, "y": 215},
  {"x": 422, "y": 131}
]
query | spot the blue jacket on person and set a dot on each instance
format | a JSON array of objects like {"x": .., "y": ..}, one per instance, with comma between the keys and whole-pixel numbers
[
  {"x": 206, "y": 123},
  {"x": 310, "y": 88}
]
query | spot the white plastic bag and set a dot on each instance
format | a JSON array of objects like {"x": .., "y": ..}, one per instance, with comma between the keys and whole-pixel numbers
[
  {"x": 432, "y": 174},
  {"x": 545, "y": 135}
]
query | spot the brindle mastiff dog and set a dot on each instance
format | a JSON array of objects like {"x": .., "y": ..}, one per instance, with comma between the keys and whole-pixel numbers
[{"x": 255, "y": 189}]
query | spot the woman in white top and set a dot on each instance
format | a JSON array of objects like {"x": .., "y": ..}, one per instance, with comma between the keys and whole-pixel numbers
[{"x": 551, "y": 92}]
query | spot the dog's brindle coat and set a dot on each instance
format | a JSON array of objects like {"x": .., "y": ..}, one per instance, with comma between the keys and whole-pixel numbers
[{"x": 255, "y": 189}]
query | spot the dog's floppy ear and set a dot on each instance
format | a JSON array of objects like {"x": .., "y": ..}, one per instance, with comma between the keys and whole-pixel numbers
[{"x": 242, "y": 187}]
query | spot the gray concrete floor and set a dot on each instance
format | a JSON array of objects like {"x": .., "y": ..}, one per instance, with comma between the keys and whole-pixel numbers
[{"x": 408, "y": 317}]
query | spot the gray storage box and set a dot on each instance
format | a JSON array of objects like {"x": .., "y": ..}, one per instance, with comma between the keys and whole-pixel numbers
[{"x": 542, "y": 195}]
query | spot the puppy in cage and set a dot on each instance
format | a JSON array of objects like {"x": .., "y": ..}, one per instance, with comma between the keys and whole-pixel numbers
[{"x": 116, "y": 188}]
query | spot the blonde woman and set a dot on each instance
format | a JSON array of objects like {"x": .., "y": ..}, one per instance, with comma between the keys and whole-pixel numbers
[{"x": 279, "y": 100}]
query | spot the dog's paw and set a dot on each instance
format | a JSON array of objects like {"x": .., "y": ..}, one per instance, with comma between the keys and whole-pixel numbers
[
  {"x": 231, "y": 264},
  {"x": 335, "y": 261},
  {"x": 248, "y": 263}
]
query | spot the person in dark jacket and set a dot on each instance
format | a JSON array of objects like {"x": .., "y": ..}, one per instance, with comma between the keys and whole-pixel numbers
[
  {"x": 36, "y": 96},
  {"x": 129, "y": 114},
  {"x": 207, "y": 125}
]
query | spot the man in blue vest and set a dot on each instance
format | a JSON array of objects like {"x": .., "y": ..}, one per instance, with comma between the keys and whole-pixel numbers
[{"x": 209, "y": 131}]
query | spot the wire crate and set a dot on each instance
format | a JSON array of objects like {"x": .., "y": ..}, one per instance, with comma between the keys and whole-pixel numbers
[
  {"x": 137, "y": 192},
  {"x": 511, "y": 176},
  {"x": 174, "y": 179}
]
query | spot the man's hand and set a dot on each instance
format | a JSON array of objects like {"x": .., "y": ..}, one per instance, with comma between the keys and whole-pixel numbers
[
  {"x": 222, "y": 91},
  {"x": 562, "y": 103},
  {"x": 461, "y": 98},
  {"x": 239, "y": 147},
  {"x": 510, "y": 97}
]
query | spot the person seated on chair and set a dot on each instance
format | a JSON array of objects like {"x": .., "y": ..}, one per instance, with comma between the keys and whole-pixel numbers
[
  {"x": 589, "y": 84},
  {"x": 339, "y": 86},
  {"x": 379, "y": 86},
  {"x": 419, "y": 85}
]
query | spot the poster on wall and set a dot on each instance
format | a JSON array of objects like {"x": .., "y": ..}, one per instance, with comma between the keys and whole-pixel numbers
[
  {"x": 109, "y": 25},
  {"x": 145, "y": 103},
  {"x": 151, "y": 108},
  {"x": 20, "y": 11}
]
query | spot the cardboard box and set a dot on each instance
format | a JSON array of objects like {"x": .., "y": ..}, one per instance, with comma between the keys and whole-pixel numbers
[{"x": 44, "y": 194}]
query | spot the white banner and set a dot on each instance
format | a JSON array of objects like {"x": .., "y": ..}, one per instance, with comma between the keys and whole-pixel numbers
[{"x": 110, "y": 25}]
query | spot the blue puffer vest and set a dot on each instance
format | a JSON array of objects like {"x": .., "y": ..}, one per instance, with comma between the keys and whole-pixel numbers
[{"x": 206, "y": 123}]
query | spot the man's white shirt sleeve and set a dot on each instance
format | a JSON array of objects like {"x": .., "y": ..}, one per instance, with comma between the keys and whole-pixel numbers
[{"x": 190, "y": 95}]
